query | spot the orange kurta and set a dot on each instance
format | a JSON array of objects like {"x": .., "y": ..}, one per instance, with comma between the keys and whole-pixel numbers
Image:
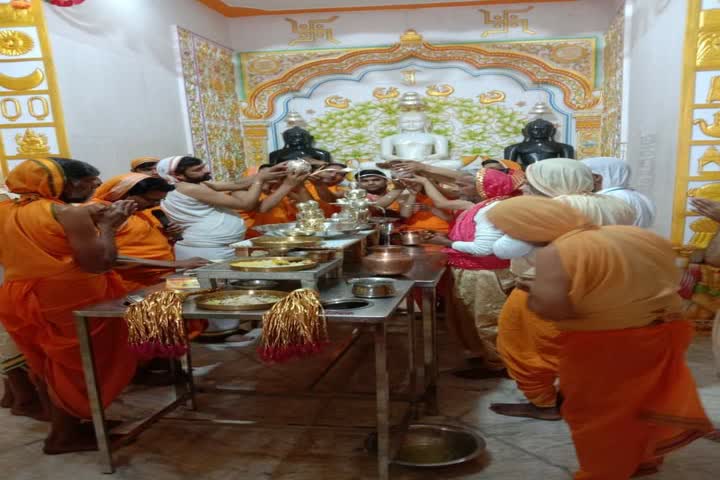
[
  {"x": 629, "y": 396},
  {"x": 327, "y": 208},
  {"x": 43, "y": 286},
  {"x": 425, "y": 219},
  {"x": 528, "y": 346},
  {"x": 140, "y": 237},
  {"x": 283, "y": 212}
]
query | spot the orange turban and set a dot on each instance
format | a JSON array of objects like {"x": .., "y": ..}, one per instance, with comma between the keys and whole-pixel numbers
[
  {"x": 117, "y": 187},
  {"x": 37, "y": 176},
  {"x": 140, "y": 160}
]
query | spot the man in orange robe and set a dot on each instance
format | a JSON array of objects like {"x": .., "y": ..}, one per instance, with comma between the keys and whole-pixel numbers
[
  {"x": 142, "y": 235},
  {"x": 278, "y": 199},
  {"x": 629, "y": 396},
  {"x": 58, "y": 258}
]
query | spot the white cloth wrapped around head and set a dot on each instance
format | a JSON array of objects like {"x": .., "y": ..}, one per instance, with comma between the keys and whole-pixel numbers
[{"x": 166, "y": 168}]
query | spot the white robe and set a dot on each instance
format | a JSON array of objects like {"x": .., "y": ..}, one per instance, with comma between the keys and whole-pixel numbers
[
  {"x": 616, "y": 178},
  {"x": 208, "y": 230}
]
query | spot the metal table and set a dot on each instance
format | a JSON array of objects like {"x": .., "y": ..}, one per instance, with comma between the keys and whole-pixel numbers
[
  {"x": 210, "y": 274},
  {"x": 373, "y": 318},
  {"x": 429, "y": 267}
]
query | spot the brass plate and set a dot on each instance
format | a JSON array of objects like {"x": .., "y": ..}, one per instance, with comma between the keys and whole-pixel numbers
[
  {"x": 286, "y": 242},
  {"x": 201, "y": 301},
  {"x": 300, "y": 264}
]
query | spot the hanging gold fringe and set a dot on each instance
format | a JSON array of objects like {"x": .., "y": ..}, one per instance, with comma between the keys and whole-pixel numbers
[
  {"x": 294, "y": 327},
  {"x": 156, "y": 326}
]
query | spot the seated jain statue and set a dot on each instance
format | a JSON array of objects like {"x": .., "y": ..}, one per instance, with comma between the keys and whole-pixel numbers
[
  {"x": 415, "y": 142},
  {"x": 298, "y": 144},
  {"x": 539, "y": 144}
]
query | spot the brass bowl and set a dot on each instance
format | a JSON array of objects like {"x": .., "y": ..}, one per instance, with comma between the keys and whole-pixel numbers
[
  {"x": 237, "y": 264},
  {"x": 285, "y": 243},
  {"x": 428, "y": 445},
  {"x": 393, "y": 260},
  {"x": 202, "y": 300},
  {"x": 254, "y": 284},
  {"x": 320, "y": 255},
  {"x": 412, "y": 238}
]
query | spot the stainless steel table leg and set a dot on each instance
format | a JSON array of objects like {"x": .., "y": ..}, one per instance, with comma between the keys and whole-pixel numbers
[
  {"x": 190, "y": 380},
  {"x": 382, "y": 396},
  {"x": 430, "y": 353},
  {"x": 308, "y": 284},
  {"x": 91, "y": 383},
  {"x": 412, "y": 350}
]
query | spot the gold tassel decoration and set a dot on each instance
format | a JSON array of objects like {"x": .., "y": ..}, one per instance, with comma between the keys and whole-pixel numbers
[
  {"x": 294, "y": 327},
  {"x": 156, "y": 327}
]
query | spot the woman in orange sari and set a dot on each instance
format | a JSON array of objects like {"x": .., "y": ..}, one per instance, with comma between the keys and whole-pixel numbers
[
  {"x": 57, "y": 259},
  {"x": 629, "y": 396}
]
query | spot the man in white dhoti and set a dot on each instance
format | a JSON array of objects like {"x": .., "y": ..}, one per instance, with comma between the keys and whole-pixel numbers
[
  {"x": 208, "y": 214},
  {"x": 208, "y": 211}
]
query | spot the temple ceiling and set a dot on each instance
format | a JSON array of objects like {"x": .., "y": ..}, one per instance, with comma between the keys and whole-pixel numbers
[{"x": 248, "y": 8}]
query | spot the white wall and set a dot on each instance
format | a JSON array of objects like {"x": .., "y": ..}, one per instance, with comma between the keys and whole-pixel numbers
[
  {"x": 437, "y": 25},
  {"x": 656, "y": 57},
  {"x": 118, "y": 75}
]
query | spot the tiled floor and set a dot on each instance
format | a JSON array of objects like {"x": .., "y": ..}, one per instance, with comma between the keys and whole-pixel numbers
[{"x": 181, "y": 448}]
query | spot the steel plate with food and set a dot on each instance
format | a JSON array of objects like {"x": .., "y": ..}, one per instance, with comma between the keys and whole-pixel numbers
[
  {"x": 273, "y": 264},
  {"x": 239, "y": 300},
  {"x": 285, "y": 242}
]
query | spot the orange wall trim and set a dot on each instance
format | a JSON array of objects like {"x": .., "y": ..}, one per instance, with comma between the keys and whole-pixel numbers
[{"x": 228, "y": 11}]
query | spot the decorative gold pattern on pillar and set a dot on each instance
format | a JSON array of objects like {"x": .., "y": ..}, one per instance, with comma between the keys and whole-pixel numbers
[
  {"x": 503, "y": 23},
  {"x": 32, "y": 143},
  {"x": 698, "y": 155},
  {"x": 14, "y": 43},
  {"x": 714, "y": 90},
  {"x": 711, "y": 155},
  {"x": 26, "y": 82},
  {"x": 255, "y": 143},
  {"x": 710, "y": 129},
  {"x": 708, "y": 42},
  {"x": 336, "y": 101},
  {"x": 27, "y": 128},
  {"x": 312, "y": 31},
  {"x": 588, "y": 131}
]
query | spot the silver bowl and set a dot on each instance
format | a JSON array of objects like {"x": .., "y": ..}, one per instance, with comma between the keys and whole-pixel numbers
[
  {"x": 372, "y": 287},
  {"x": 431, "y": 445}
]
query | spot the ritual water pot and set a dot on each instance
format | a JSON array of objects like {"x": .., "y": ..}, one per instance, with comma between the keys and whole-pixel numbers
[{"x": 388, "y": 260}]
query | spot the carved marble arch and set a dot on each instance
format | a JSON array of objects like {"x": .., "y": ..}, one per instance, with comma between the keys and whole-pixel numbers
[{"x": 577, "y": 90}]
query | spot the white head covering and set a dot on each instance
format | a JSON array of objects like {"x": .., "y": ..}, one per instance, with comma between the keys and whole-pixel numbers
[
  {"x": 560, "y": 176},
  {"x": 600, "y": 209},
  {"x": 166, "y": 169},
  {"x": 615, "y": 183}
]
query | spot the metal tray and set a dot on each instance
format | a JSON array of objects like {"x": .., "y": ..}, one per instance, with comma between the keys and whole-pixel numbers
[
  {"x": 201, "y": 301},
  {"x": 237, "y": 264},
  {"x": 286, "y": 242}
]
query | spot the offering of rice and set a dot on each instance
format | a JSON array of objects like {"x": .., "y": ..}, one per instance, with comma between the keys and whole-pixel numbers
[{"x": 269, "y": 264}]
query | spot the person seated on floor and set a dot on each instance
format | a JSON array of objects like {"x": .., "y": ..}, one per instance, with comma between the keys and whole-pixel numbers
[
  {"x": 58, "y": 257},
  {"x": 376, "y": 183},
  {"x": 145, "y": 165},
  {"x": 279, "y": 197}
]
